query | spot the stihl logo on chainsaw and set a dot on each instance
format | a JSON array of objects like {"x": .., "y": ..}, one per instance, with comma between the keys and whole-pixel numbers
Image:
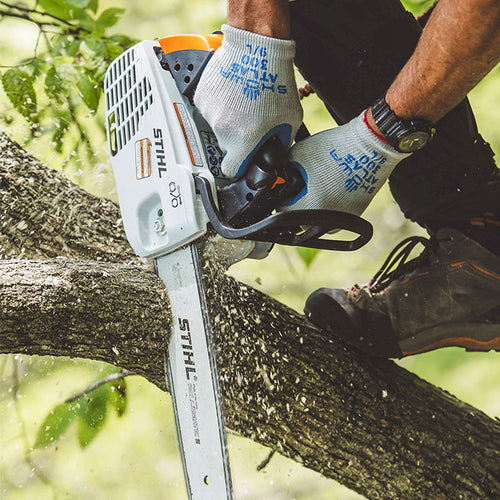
[
  {"x": 160, "y": 151},
  {"x": 187, "y": 347}
]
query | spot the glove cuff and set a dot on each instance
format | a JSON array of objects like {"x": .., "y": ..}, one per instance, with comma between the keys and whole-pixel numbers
[
  {"x": 345, "y": 167},
  {"x": 258, "y": 46}
]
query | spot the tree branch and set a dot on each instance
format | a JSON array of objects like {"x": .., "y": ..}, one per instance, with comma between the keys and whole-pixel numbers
[
  {"x": 26, "y": 17},
  {"x": 365, "y": 422},
  {"x": 47, "y": 307}
]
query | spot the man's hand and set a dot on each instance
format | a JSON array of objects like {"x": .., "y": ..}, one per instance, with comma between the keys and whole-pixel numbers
[
  {"x": 247, "y": 93},
  {"x": 344, "y": 167}
]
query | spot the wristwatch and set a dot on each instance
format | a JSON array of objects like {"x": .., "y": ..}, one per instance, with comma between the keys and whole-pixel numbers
[{"x": 406, "y": 136}]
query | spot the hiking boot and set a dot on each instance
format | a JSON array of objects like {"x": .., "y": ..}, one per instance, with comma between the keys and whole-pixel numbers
[{"x": 448, "y": 296}]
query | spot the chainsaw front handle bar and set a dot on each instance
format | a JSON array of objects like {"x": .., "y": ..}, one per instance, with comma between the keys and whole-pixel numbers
[{"x": 293, "y": 227}]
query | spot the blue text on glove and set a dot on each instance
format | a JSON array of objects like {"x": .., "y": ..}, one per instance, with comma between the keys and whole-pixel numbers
[
  {"x": 360, "y": 173},
  {"x": 252, "y": 73}
]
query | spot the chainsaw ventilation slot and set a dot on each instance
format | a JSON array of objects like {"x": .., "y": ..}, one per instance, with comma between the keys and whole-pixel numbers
[{"x": 128, "y": 97}]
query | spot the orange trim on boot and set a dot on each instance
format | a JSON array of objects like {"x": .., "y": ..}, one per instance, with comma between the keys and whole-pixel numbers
[
  {"x": 455, "y": 264},
  {"x": 466, "y": 342}
]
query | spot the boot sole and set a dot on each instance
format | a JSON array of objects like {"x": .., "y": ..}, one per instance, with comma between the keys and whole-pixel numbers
[{"x": 472, "y": 337}]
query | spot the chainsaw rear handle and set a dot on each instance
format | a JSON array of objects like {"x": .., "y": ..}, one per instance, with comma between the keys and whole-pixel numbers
[
  {"x": 267, "y": 182},
  {"x": 246, "y": 206},
  {"x": 286, "y": 228}
]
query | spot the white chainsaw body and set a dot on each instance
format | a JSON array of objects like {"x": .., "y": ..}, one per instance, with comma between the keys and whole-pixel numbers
[{"x": 158, "y": 141}]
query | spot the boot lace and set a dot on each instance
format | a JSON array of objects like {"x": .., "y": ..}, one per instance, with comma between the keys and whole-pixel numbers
[{"x": 397, "y": 263}]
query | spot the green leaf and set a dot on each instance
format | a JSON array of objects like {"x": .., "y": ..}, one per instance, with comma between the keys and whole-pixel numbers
[
  {"x": 62, "y": 121},
  {"x": 86, "y": 434},
  {"x": 124, "y": 41},
  {"x": 118, "y": 396},
  {"x": 92, "y": 414},
  {"x": 59, "y": 8},
  {"x": 65, "y": 48},
  {"x": 114, "y": 50},
  {"x": 94, "y": 407},
  {"x": 67, "y": 72},
  {"x": 91, "y": 47},
  {"x": 54, "y": 84},
  {"x": 18, "y": 86},
  {"x": 307, "y": 255},
  {"x": 55, "y": 424},
  {"x": 93, "y": 5},
  {"x": 89, "y": 92},
  {"x": 86, "y": 21},
  {"x": 109, "y": 17},
  {"x": 80, "y": 4}
]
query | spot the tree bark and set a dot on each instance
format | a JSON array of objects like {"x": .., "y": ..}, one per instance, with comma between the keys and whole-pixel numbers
[
  {"x": 364, "y": 422},
  {"x": 60, "y": 307}
]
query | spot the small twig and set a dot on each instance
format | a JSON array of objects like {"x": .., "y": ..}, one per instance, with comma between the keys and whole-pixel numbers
[
  {"x": 94, "y": 385},
  {"x": 38, "y": 38},
  {"x": 26, "y": 17},
  {"x": 34, "y": 11},
  {"x": 266, "y": 460},
  {"x": 47, "y": 39}
]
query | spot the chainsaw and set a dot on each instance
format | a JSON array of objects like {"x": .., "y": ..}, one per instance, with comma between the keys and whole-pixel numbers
[{"x": 166, "y": 162}]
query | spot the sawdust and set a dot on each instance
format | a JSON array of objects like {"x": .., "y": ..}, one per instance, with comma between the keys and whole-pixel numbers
[{"x": 36, "y": 200}]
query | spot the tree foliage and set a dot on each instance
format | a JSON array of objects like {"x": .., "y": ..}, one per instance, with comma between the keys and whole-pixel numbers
[{"x": 63, "y": 79}]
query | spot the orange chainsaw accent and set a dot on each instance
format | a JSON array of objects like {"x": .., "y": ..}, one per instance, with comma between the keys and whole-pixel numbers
[
  {"x": 279, "y": 180},
  {"x": 185, "y": 134},
  {"x": 173, "y": 43}
]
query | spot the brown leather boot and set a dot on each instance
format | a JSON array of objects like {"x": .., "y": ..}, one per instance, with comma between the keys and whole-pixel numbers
[{"x": 448, "y": 296}]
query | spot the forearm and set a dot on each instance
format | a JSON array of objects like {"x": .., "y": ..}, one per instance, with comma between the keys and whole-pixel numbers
[
  {"x": 265, "y": 17},
  {"x": 458, "y": 47}
]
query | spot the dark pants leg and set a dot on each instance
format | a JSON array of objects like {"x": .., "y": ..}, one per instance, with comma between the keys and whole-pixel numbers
[{"x": 350, "y": 52}]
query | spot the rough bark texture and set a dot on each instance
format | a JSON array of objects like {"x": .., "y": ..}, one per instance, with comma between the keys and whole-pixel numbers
[
  {"x": 95, "y": 310},
  {"x": 367, "y": 423}
]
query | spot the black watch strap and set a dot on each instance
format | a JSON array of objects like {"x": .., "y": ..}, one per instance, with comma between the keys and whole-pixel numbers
[{"x": 406, "y": 136}]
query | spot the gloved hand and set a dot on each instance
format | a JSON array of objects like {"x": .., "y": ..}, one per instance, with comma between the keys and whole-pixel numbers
[
  {"x": 344, "y": 167},
  {"x": 247, "y": 93}
]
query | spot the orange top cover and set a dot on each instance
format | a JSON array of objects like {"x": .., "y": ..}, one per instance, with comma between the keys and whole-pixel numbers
[{"x": 174, "y": 43}]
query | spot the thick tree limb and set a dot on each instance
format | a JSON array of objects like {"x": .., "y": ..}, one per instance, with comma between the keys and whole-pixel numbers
[
  {"x": 367, "y": 423},
  {"x": 110, "y": 312}
]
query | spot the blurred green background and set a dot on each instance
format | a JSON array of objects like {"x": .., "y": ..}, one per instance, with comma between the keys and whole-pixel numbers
[{"x": 134, "y": 455}]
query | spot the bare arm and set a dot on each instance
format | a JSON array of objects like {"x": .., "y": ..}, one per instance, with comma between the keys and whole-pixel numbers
[
  {"x": 458, "y": 47},
  {"x": 265, "y": 17}
]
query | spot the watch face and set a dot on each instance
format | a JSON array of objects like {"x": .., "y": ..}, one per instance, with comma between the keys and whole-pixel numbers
[{"x": 413, "y": 142}]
